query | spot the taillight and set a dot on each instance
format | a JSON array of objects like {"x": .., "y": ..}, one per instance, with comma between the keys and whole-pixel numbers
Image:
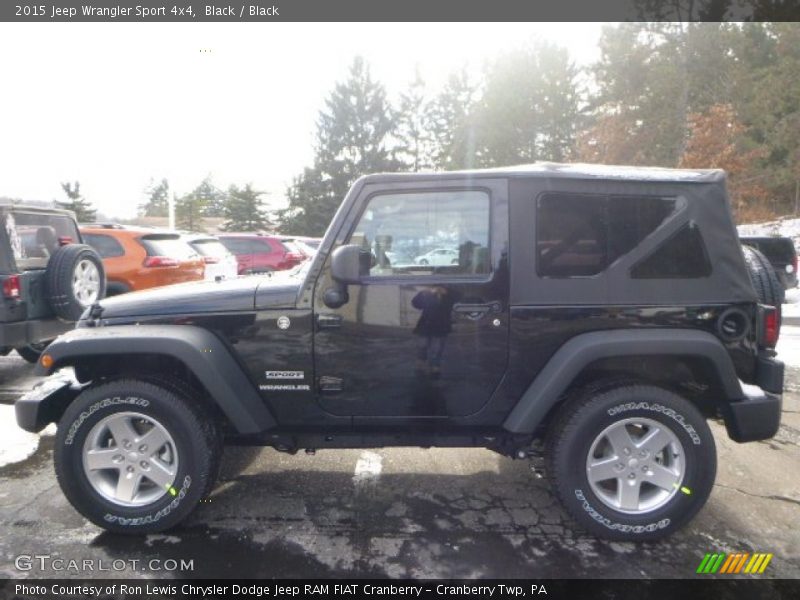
[
  {"x": 770, "y": 328},
  {"x": 160, "y": 261},
  {"x": 211, "y": 260},
  {"x": 64, "y": 240},
  {"x": 11, "y": 287},
  {"x": 294, "y": 256}
]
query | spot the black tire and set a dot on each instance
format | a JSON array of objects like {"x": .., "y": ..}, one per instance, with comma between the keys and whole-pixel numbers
[
  {"x": 60, "y": 271},
  {"x": 582, "y": 419},
  {"x": 762, "y": 275},
  {"x": 197, "y": 443},
  {"x": 32, "y": 352}
]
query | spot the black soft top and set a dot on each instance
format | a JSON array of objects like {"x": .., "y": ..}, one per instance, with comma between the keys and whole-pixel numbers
[
  {"x": 580, "y": 171},
  {"x": 702, "y": 203}
]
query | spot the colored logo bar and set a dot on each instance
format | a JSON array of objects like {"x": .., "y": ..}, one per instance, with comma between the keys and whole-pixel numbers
[{"x": 737, "y": 562}]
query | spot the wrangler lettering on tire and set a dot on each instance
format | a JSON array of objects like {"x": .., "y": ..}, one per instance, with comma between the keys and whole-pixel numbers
[
  {"x": 635, "y": 460},
  {"x": 135, "y": 457}
]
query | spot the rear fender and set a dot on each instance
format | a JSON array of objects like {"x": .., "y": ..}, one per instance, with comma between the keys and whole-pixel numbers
[{"x": 565, "y": 366}]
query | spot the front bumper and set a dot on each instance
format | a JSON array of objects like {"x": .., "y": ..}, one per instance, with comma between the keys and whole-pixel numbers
[{"x": 45, "y": 403}]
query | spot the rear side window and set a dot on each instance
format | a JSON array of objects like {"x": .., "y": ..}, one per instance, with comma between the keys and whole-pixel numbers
[
  {"x": 106, "y": 246},
  {"x": 683, "y": 256},
  {"x": 34, "y": 237},
  {"x": 241, "y": 246},
  {"x": 168, "y": 245},
  {"x": 580, "y": 235},
  {"x": 212, "y": 248}
]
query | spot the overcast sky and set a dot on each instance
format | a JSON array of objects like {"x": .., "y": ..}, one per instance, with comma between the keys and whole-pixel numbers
[{"x": 114, "y": 105}]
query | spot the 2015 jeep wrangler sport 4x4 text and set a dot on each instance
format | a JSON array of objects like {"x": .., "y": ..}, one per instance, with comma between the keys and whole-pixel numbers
[{"x": 596, "y": 315}]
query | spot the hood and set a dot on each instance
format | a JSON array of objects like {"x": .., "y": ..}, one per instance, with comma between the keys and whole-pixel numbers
[{"x": 234, "y": 295}]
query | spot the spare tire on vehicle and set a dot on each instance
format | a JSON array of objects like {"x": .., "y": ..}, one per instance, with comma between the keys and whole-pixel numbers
[
  {"x": 768, "y": 288},
  {"x": 75, "y": 280}
]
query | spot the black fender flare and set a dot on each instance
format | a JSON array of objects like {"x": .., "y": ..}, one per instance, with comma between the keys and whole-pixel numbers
[
  {"x": 582, "y": 350},
  {"x": 199, "y": 349}
]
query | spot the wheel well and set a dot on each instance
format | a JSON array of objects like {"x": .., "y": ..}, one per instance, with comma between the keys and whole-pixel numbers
[
  {"x": 693, "y": 377},
  {"x": 162, "y": 369}
]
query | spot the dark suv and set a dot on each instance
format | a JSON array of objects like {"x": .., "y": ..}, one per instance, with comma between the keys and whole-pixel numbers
[
  {"x": 48, "y": 276},
  {"x": 593, "y": 316}
]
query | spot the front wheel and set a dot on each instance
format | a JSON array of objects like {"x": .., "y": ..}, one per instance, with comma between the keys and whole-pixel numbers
[
  {"x": 135, "y": 457},
  {"x": 634, "y": 463}
]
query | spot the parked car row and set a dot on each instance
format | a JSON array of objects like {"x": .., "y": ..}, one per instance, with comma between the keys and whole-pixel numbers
[
  {"x": 138, "y": 258},
  {"x": 52, "y": 269}
]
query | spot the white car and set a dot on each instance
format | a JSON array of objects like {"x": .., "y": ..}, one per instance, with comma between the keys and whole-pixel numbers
[
  {"x": 220, "y": 263},
  {"x": 438, "y": 258}
]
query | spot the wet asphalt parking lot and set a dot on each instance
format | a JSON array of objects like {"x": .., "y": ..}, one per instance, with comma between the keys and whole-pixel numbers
[{"x": 439, "y": 513}]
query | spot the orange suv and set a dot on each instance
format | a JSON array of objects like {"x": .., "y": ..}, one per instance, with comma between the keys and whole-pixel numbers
[{"x": 137, "y": 258}]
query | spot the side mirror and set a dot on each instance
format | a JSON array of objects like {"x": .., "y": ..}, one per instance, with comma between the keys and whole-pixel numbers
[{"x": 349, "y": 264}]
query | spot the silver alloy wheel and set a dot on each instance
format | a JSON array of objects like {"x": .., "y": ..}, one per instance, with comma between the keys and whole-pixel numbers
[
  {"x": 86, "y": 282},
  {"x": 635, "y": 466},
  {"x": 130, "y": 459}
]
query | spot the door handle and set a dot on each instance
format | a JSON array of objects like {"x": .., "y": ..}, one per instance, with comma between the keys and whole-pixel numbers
[
  {"x": 477, "y": 311},
  {"x": 329, "y": 321}
]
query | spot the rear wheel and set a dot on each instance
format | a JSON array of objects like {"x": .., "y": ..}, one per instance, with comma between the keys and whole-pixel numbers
[
  {"x": 135, "y": 457},
  {"x": 75, "y": 280},
  {"x": 632, "y": 463}
]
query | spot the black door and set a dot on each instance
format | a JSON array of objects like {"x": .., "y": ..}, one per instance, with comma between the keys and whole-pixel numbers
[{"x": 425, "y": 333}]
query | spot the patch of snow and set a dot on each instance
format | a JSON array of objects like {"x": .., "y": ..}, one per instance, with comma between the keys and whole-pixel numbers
[
  {"x": 15, "y": 444},
  {"x": 48, "y": 431},
  {"x": 788, "y": 347},
  {"x": 368, "y": 468}
]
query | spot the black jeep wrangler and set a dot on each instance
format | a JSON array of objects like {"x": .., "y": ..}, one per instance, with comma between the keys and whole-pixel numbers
[
  {"x": 48, "y": 276},
  {"x": 598, "y": 316}
]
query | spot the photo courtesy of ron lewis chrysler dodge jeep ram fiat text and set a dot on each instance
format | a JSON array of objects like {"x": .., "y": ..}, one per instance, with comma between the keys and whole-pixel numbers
[{"x": 593, "y": 317}]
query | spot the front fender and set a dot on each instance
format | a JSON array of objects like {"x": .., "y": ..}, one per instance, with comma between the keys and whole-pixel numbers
[
  {"x": 203, "y": 353},
  {"x": 582, "y": 350}
]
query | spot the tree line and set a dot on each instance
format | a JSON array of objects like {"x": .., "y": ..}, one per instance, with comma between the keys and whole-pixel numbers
[
  {"x": 697, "y": 95},
  {"x": 240, "y": 208}
]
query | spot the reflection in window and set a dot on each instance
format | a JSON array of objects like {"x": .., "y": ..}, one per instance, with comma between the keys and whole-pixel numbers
[
  {"x": 681, "y": 256},
  {"x": 428, "y": 232},
  {"x": 580, "y": 235}
]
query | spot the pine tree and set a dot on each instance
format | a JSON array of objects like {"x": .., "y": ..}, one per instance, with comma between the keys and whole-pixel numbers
[
  {"x": 244, "y": 210},
  {"x": 414, "y": 148},
  {"x": 529, "y": 107},
  {"x": 213, "y": 198},
  {"x": 189, "y": 211},
  {"x": 642, "y": 93},
  {"x": 353, "y": 134},
  {"x": 311, "y": 205},
  {"x": 84, "y": 213},
  {"x": 449, "y": 119},
  {"x": 157, "y": 204}
]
